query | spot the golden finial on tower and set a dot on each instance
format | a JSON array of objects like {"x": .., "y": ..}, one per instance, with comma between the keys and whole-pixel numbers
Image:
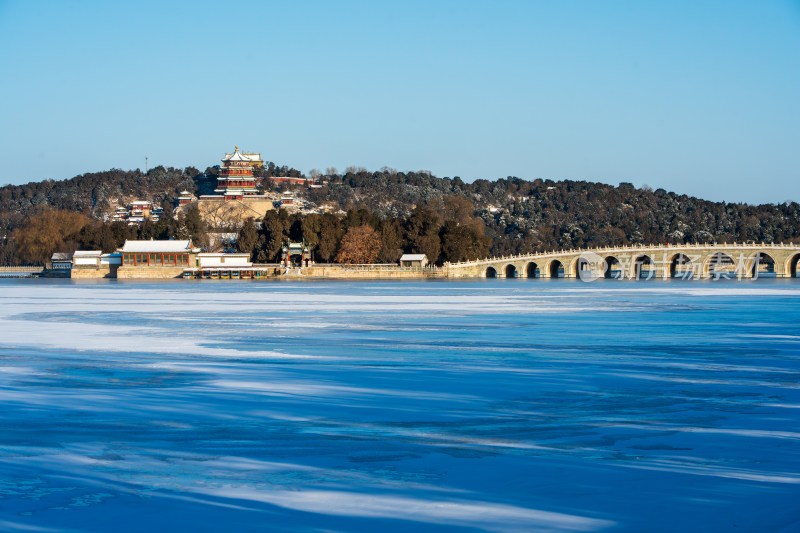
[{"x": 237, "y": 148}]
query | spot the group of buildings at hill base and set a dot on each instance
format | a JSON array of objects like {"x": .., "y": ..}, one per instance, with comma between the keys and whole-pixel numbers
[
  {"x": 235, "y": 199},
  {"x": 151, "y": 259}
]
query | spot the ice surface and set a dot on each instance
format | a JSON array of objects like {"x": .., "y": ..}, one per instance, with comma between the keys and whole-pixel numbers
[{"x": 504, "y": 406}]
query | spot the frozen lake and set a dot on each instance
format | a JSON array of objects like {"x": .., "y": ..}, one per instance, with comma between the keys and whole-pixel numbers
[{"x": 505, "y": 406}]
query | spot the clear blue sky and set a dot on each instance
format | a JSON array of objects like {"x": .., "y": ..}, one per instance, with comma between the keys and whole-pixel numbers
[{"x": 700, "y": 98}]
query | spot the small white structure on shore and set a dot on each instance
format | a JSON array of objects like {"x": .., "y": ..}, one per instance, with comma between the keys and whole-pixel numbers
[
  {"x": 413, "y": 261},
  {"x": 95, "y": 264},
  {"x": 217, "y": 260},
  {"x": 226, "y": 266},
  {"x": 111, "y": 259},
  {"x": 61, "y": 261},
  {"x": 86, "y": 258}
]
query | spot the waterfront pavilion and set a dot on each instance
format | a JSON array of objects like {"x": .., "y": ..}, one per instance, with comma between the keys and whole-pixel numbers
[{"x": 158, "y": 254}]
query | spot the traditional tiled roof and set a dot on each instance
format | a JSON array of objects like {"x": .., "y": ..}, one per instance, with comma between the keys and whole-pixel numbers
[
  {"x": 157, "y": 246},
  {"x": 413, "y": 257},
  {"x": 239, "y": 156},
  {"x": 87, "y": 253}
]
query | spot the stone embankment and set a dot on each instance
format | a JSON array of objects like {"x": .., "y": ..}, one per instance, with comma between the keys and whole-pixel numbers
[
  {"x": 335, "y": 271},
  {"x": 84, "y": 272},
  {"x": 28, "y": 271},
  {"x": 156, "y": 272}
]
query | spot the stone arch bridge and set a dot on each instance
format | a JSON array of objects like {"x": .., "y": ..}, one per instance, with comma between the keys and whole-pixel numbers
[{"x": 688, "y": 261}]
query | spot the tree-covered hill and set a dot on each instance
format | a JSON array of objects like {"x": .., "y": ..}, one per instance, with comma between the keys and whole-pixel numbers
[
  {"x": 522, "y": 216},
  {"x": 411, "y": 212}
]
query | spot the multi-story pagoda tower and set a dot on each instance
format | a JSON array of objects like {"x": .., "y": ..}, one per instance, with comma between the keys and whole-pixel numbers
[{"x": 236, "y": 179}]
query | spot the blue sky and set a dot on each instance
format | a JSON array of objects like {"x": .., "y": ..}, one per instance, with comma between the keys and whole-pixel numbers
[{"x": 695, "y": 97}]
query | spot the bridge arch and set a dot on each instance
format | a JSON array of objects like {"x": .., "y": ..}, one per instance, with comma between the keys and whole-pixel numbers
[
  {"x": 759, "y": 264},
  {"x": 680, "y": 266},
  {"x": 719, "y": 265},
  {"x": 510, "y": 271},
  {"x": 612, "y": 268},
  {"x": 791, "y": 266},
  {"x": 643, "y": 263},
  {"x": 555, "y": 269},
  {"x": 532, "y": 270},
  {"x": 582, "y": 268},
  {"x": 490, "y": 272}
]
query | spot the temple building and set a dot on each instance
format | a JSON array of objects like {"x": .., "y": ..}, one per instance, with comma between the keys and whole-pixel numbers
[
  {"x": 236, "y": 179},
  {"x": 236, "y": 197},
  {"x": 287, "y": 198},
  {"x": 186, "y": 198},
  {"x": 137, "y": 212}
]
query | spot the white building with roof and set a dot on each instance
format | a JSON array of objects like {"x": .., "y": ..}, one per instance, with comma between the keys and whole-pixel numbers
[
  {"x": 413, "y": 260},
  {"x": 156, "y": 246},
  {"x": 61, "y": 261},
  {"x": 216, "y": 260},
  {"x": 86, "y": 258},
  {"x": 95, "y": 264},
  {"x": 221, "y": 265},
  {"x": 152, "y": 253},
  {"x": 111, "y": 259}
]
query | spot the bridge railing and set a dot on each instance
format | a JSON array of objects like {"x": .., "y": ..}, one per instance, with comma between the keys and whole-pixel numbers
[{"x": 22, "y": 268}]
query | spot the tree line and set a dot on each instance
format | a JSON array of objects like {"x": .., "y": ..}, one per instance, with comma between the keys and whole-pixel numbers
[
  {"x": 57, "y": 230},
  {"x": 447, "y": 230},
  {"x": 445, "y": 218}
]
